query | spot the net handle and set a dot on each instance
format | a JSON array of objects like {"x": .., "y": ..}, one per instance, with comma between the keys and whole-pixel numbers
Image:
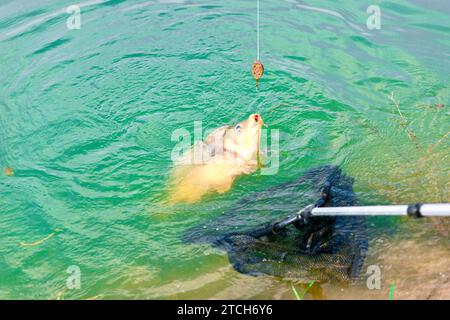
[{"x": 416, "y": 210}]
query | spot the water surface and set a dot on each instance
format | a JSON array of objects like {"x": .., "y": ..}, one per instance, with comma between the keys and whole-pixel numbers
[{"x": 86, "y": 118}]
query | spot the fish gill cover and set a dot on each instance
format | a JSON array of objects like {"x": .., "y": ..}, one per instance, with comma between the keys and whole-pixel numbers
[{"x": 325, "y": 249}]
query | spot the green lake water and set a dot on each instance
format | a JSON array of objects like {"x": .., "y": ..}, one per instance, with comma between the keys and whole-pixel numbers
[{"x": 86, "y": 118}]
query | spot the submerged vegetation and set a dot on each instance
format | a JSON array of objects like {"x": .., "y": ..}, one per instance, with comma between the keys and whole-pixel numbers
[
  {"x": 430, "y": 154},
  {"x": 411, "y": 155}
]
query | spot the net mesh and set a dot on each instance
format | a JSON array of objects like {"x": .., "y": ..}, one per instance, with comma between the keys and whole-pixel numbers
[{"x": 325, "y": 249}]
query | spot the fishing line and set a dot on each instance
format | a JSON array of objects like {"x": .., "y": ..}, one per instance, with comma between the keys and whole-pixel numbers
[
  {"x": 257, "y": 29},
  {"x": 257, "y": 67}
]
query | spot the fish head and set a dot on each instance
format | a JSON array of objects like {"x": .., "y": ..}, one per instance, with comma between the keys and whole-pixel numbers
[{"x": 243, "y": 139}]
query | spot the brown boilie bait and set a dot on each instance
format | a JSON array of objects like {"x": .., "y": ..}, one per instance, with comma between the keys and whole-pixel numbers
[{"x": 257, "y": 71}]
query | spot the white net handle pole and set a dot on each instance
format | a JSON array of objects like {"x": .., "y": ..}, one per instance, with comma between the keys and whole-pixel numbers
[
  {"x": 426, "y": 210},
  {"x": 435, "y": 210}
]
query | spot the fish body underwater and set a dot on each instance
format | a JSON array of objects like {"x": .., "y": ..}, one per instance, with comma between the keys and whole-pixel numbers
[
  {"x": 213, "y": 164},
  {"x": 325, "y": 249}
]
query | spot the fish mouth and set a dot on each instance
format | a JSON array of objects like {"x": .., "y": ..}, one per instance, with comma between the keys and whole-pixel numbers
[{"x": 256, "y": 119}]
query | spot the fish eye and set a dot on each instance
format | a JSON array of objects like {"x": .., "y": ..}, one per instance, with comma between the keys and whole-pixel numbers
[{"x": 238, "y": 128}]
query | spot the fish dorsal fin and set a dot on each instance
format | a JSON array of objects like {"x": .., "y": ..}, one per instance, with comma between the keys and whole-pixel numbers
[
  {"x": 212, "y": 138},
  {"x": 215, "y": 141}
]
